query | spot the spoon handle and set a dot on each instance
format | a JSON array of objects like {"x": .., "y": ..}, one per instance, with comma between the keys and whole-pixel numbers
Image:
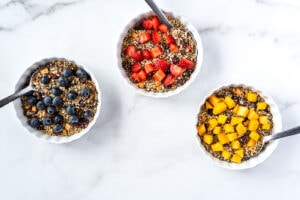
[
  {"x": 282, "y": 134},
  {"x": 12, "y": 97},
  {"x": 159, "y": 13}
]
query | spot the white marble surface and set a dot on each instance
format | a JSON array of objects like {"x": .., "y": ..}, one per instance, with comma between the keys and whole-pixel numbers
[{"x": 143, "y": 148}]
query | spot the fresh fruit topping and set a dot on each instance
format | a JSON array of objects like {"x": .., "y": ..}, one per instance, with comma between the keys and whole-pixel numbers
[
  {"x": 148, "y": 68},
  {"x": 136, "y": 77},
  {"x": 34, "y": 122},
  {"x": 57, "y": 128},
  {"x": 47, "y": 100},
  {"x": 173, "y": 47},
  {"x": 146, "y": 54},
  {"x": 170, "y": 39},
  {"x": 57, "y": 101},
  {"x": 51, "y": 110},
  {"x": 163, "y": 28},
  {"x": 31, "y": 101},
  {"x": 56, "y": 91},
  {"x": 136, "y": 67},
  {"x": 176, "y": 70},
  {"x": 156, "y": 51},
  {"x": 162, "y": 64},
  {"x": 185, "y": 63},
  {"x": 40, "y": 105},
  {"x": 70, "y": 109},
  {"x": 44, "y": 79},
  {"x": 72, "y": 95},
  {"x": 74, "y": 119},
  {"x": 67, "y": 72},
  {"x": 85, "y": 92},
  {"x": 130, "y": 51},
  {"x": 58, "y": 119},
  {"x": 147, "y": 24},
  {"x": 144, "y": 37},
  {"x": 142, "y": 75},
  {"x": 47, "y": 121},
  {"x": 156, "y": 38},
  {"x": 169, "y": 80},
  {"x": 155, "y": 22},
  {"x": 87, "y": 114},
  {"x": 81, "y": 73},
  {"x": 63, "y": 81},
  {"x": 137, "y": 56},
  {"x": 159, "y": 75}
]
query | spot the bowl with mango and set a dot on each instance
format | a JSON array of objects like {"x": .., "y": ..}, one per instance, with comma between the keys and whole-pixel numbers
[{"x": 231, "y": 123}]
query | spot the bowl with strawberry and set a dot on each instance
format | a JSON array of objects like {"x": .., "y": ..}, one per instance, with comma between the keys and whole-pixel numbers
[{"x": 158, "y": 61}]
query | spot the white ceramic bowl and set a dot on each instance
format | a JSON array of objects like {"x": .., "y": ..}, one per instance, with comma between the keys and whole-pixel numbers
[
  {"x": 199, "y": 48},
  {"x": 49, "y": 138},
  {"x": 252, "y": 162}
]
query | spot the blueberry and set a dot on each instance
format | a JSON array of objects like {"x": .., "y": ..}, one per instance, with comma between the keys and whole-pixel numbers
[
  {"x": 72, "y": 95},
  {"x": 56, "y": 91},
  {"x": 32, "y": 101},
  {"x": 63, "y": 81},
  {"x": 73, "y": 119},
  {"x": 87, "y": 114},
  {"x": 58, "y": 119},
  {"x": 85, "y": 92},
  {"x": 44, "y": 79},
  {"x": 81, "y": 73},
  {"x": 57, "y": 101},
  {"x": 47, "y": 100},
  {"x": 47, "y": 121},
  {"x": 51, "y": 110},
  {"x": 40, "y": 105},
  {"x": 70, "y": 109},
  {"x": 28, "y": 94},
  {"x": 57, "y": 128},
  {"x": 67, "y": 72},
  {"x": 34, "y": 122}
]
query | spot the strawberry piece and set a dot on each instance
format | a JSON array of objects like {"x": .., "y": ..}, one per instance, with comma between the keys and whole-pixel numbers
[
  {"x": 136, "y": 77},
  {"x": 155, "y": 23},
  {"x": 173, "y": 47},
  {"x": 137, "y": 56},
  {"x": 156, "y": 38},
  {"x": 159, "y": 75},
  {"x": 130, "y": 50},
  {"x": 147, "y": 24},
  {"x": 170, "y": 39},
  {"x": 188, "y": 49},
  {"x": 162, "y": 64},
  {"x": 142, "y": 75},
  {"x": 185, "y": 63},
  {"x": 169, "y": 80},
  {"x": 163, "y": 28},
  {"x": 176, "y": 70},
  {"x": 144, "y": 37},
  {"x": 146, "y": 54},
  {"x": 136, "y": 67},
  {"x": 148, "y": 68},
  {"x": 156, "y": 51}
]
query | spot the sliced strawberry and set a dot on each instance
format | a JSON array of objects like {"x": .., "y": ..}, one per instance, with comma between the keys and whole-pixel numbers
[
  {"x": 162, "y": 64},
  {"x": 176, "y": 70},
  {"x": 147, "y": 24},
  {"x": 136, "y": 67},
  {"x": 136, "y": 77},
  {"x": 173, "y": 47},
  {"x": 146, "y": 54},
  {"x": 156, "y": 38},
  {"x": 159, "y": 75},
  {"x": 130, "y": 50},
  {"x": 142, "y": 75},
  {"x": 163, "y": 28},
  {"x": 155, "y": 23},
  {"x": 169, "y": 80},
  {"x": 148, "y": 68},
  {"x": 156, "y": 51},
  {"x": 144, "y": 37},
  {"x": 137, "y": 56},
  {"x": 170, "y": 39},
  {"x": 185, "y": 63}
]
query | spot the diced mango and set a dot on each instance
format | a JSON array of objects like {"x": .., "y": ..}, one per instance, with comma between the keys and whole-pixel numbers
[
  {"x": 217, "y": 147},
  {"x": 228, "y": 128},
  {"x": 261, "y": 106},
  {"x": 208, "y": 105},
  {"x": 226, "y": 154},
  {"x": 236, "y": 120},
  {"x": 242, "y": 111},
  {"x": 263, "y": 119},
  {"x": 229, "y": 102},
  {"x": 252, "y": 96},
  {"x": 44, "y": 71},
  {"x": 222, "y": 119},
  {"x": 240, "y": 129},
  {"x": 240, "y": 152},
  {"x": 223, "y": 139},
  {"x": 252, "y": 114},
  {"x": 217, "y": 129},
  {"x": 212, "y": 123},
  {"x": 236, "y": 158},
  {"x": 235, "y": 144},
  {"x": 253, "y": 125},
  {"x": 33, "y": 109},
  {"x": 207, "y": 138},
  {"x": 254, "y": 135},
  {"x": 201, "y": 129},
  {"x": 251, "y": 143},
  {"x": 266, "y": 126},
  {"x": 213, "y": 100},
  {"x": 232, "y": 136},
  {"x": 235, "y": 109},
  {"x": 219, "y": 108}
]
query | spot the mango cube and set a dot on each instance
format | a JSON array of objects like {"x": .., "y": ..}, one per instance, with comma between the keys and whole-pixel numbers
[
  {"x": 251, "y": 143},
  {"x": 240, "y": 152},
  {"x": 222, "y": 119},
  {"x": 226, "y": 154},
  {"x": 208, "y": 105},
  {"x": 252, "y": 96},
  {"x": 261, "y": 106},
  {"x": 236, "y": 158},
  {"x": 223, "y": 139},
  {"x": 242, "y": 111},
  {"x": 213, "y": 100},
  {"x": 266, "y": 126},
  {"x": 212, "y": 123},
  {"x": 253, "y": 125},
  {"x": 254, "y": 135},
  {"x": 236, "y": 120},
  {"x": 252, "y": 114},
  {"x": 263, "y": 119},
  {"x": 228, "y": 128},
  {"x": 229, "y": 102},
  {"x": 232, "y": 136},
  {"x": 219, "y": 108},
  {"x": 217, "y": 147},
  {"x": 207, "y": 138},
  {"x": 235, "y": 144},
  {"x": 240, "y": 129},
  {"x": 201, "y": 129},
  {"x": 217, "y": 130}
]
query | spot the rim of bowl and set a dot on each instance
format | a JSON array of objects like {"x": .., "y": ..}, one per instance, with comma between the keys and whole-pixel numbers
[
  {"x": 38, "y": 134},
  {"x": 193, "y": 76},
  {"x": 262, "y": 156}
]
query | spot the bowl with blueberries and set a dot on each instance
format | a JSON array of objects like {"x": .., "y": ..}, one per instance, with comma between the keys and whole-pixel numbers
[{"x": 64, "y": 104}]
